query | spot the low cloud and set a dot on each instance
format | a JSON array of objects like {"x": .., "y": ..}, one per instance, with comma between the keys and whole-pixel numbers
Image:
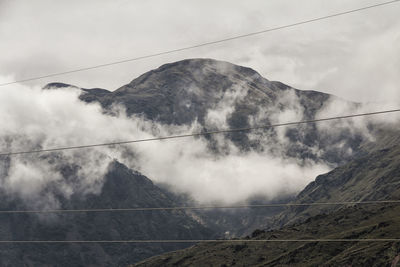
[
  {"x": 365, "y": 125},
  {"x": 35, "y": 119}
]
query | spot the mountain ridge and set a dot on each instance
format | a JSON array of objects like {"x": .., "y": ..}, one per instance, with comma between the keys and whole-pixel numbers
[
  {"x": 215, "y": 94},
  {"x": 122, "y": 188},
  {"x": 372, "y": 177},
  {"x": 184, "y": 92}
]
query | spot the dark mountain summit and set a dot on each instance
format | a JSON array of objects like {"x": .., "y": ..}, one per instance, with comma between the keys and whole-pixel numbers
[{"x": 181, "y": 92}]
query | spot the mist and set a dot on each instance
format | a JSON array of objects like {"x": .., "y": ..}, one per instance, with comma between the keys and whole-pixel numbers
[{"x": 33, "y": 118}]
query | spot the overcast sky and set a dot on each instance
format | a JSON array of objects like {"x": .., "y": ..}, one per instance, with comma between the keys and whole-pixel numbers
[{"x": 356, "y": 56}]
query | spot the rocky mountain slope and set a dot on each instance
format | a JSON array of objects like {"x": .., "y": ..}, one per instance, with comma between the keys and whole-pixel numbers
[
  {"x": 375, "y": 176},
  {"x": 184, "y": 91},
  {"x": 372, "y": 177},
  {"x": 378, "y": 222},
  {"x": 123, "y": 188}
]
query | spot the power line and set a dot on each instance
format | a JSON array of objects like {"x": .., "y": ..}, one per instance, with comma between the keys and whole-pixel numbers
[
  {"x": 201, "y": 45},
  {"x": 206, "y": 241},
  {"x": 205, "y": 207},
  {"x": 197, "y": 134}
]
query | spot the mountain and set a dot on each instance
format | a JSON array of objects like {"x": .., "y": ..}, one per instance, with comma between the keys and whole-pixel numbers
[
  {"x": 184, "y": 91},
  {"x": 372, "y": 177},
  {"x": 217, "y": 94},
  {"x": 122, "y": 188}
]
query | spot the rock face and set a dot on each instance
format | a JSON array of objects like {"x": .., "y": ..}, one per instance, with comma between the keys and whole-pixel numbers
[{"x": 123, "y": 188}]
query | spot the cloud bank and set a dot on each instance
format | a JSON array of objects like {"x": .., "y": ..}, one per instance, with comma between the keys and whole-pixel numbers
[{"x": 34, "y": 118}]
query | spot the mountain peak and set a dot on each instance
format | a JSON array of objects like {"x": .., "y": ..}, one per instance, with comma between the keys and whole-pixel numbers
[
  {"x": 58, "y": 85},
  {"x": 212, "y": 64},
  {"x": 185, "y": 91},
  {"x": 189, "y": 73}
]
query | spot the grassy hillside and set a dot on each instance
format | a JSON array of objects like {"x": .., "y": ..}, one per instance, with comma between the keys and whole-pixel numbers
[
  {"x": 122, "y": 188},
  {"x": 347, "y": 223},
  {"x": 375, "y": 176}
]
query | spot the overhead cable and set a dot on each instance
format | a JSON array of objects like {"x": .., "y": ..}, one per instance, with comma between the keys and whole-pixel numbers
[
  {"x": 205, "y": 241},
  {"x": 274, "y": 205}
]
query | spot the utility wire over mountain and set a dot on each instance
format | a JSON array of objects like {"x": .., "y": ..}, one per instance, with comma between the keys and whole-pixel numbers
[
  {"x": 372, "y": 202},
  {"x": 201, "y": 44},
  {"x": 13, "y": 153},
  {"x": 204, "y": 241}
]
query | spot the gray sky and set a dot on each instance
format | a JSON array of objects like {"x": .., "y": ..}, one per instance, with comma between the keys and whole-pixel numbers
[{"x": 356, "y": 56}]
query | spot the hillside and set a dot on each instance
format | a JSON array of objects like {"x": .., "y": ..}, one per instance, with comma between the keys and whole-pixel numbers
[
  {"x": 122, "y": 188},
  {"x": 373, "y": 177},
  {"x": 347, "y": 223}
]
